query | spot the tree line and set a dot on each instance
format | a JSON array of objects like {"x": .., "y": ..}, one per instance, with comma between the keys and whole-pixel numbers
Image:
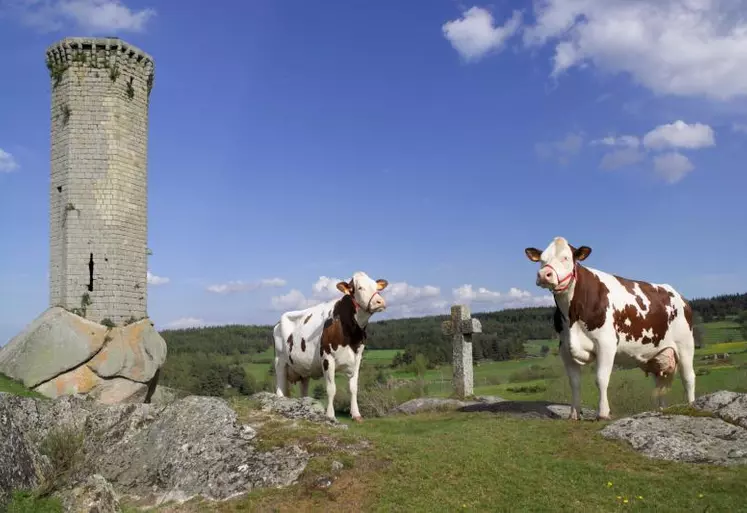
[{"x": 210, "y": 360}]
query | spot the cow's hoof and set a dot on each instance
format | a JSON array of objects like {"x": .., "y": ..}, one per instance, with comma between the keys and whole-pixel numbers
[
  {"x": 359, "y": 419},
  {"x": 604, "y": 417}
]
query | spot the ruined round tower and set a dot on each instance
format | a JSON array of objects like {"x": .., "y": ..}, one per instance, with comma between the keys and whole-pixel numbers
[
  {"x": 95, "y": 338},
  {"x": 98, "y": 194}
]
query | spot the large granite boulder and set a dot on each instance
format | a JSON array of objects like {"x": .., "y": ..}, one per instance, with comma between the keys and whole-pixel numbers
[
  {"x": 61, "y": 353},
  {"x": 147, "y": 454},
  {"x": 716, "y": 434}
]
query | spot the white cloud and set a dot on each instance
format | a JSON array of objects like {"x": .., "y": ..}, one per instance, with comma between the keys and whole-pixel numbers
[
  {"x": 7, "y": 162},
  {"x": 185, "y": 322},
  {"x": 514, "y": 298},
  {"x": 475, "y": 34},
  {"x": 672, "y": 166},
  {"x": 678, "y": 47},
  {"x": 325, "y": 288},
  {"x": 562, "y": 150},
  {"x": 625, "y": 141},
  {"x": 156, "y": 280},
  {"x": 293, "y": 300},
  {"x": 680, "y": 135},
  {"x": 92, "y": 16},
  {"x": 621, "y": 158},
  {"x": 241, "y": 286}
]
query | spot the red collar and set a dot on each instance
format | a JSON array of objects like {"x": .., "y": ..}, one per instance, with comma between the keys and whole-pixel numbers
[
  {"x": 368, "y": 306},
  {"x": 569, "y": 278}
]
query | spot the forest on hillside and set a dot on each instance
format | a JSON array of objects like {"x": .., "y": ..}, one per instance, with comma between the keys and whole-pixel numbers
[{"x": 206, "y": 359}]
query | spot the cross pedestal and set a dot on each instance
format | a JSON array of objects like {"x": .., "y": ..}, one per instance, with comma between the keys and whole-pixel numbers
[{"x": 460, "y": 328}]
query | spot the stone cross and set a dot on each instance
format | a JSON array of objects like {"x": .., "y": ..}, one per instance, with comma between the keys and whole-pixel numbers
[{"x": 460, "y": 328}]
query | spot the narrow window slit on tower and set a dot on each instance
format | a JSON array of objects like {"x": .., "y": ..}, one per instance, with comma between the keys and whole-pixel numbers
[
  {"x": 59, "y": 188},
  {"x": 90, "y": 274}
]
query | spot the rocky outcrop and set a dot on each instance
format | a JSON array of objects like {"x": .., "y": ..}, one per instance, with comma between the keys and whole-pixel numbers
[
  {"x": 147, "y": 453},
  {"x": 17, "y": 470},
  {"x": 491, "y": 404},
  {"x": 305, "y": 408},
  {"x": 61, "y": 353},
  {"x": 715, "y": 434}
]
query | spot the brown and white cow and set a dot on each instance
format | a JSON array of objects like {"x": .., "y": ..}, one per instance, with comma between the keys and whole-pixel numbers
[
  {"x": 328, "y": 337},
  {"x": 606, "y": 318}
]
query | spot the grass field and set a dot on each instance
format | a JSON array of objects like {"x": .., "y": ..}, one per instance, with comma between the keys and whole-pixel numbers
[
  {"x": 721, "y": 331},
  {"x": 483, "y": 462}
]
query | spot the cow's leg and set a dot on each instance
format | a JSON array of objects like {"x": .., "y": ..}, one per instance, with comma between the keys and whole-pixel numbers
[
  {"x": 685, "y": 352},
  {"x": 281, "y": 378},
  {"x": 607, "y": 347},
  {"x": 573, "y": 371},
  {"x": 576, "y": 338},
  {"x": 328, "y": 364},
  {"x": 353, "y": 384},
  {"x": 304, "y": 387}
]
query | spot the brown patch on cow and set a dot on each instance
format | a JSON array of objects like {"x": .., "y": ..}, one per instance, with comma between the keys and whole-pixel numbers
[
  {"x": 590, "y": 300},
  {"x": 303, "y": 344},
  {"x": 307, "y": 318},
  {"x": 325, "y": 364},
  {"x": 341, "y": 330},
  {"x": 633, "y": 322},
  {"x": 689, "y": 315}
]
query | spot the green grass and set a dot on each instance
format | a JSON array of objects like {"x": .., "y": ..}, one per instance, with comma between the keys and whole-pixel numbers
[
  {"x": 14, "y": 387},
  {"x": 721, "y": 331},
  {"x": 534, "y": 347},
  {"x": 485, "y": 462},
  {"x": 29, "y": 502}
]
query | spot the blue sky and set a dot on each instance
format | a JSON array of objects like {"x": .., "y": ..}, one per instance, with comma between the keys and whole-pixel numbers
[{"x": 293, "y": 143}]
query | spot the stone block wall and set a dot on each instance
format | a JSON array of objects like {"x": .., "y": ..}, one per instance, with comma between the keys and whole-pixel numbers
[{"x": 98, "y": 189}]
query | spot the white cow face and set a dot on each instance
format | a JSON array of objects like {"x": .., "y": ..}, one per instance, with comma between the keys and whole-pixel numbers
[
  {"x": 365, "y": 292},
  {"x": 557, "y": 264}
]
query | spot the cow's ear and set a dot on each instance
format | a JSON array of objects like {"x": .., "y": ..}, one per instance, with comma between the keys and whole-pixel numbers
[
  {"x": 581, "y": 253},
  {"x": 533, "y": 254},
  {"x": 344, "y": 287},
  {"x": 381, "y": 284}
]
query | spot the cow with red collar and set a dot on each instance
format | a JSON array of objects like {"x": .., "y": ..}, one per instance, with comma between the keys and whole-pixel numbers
[
  {"x": 328, "y": 338},
  {"x": 606, "y": 318}
]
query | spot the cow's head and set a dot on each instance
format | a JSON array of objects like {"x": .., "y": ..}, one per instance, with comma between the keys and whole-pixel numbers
[
  {"x": 365, "y": 292},
  {"x": 557, "y": 264}
]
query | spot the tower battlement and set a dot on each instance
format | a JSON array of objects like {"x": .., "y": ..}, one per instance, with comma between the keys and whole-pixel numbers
[{"x": 98, "y": 192}]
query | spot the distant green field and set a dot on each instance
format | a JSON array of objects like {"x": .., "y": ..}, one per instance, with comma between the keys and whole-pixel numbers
[
  {"x": 534, "y": 347},
  {"x": 721, "y": 331}
]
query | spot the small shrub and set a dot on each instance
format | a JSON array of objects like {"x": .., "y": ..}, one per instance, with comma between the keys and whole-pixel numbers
[
  {"x": 108, "y": 323},
  {"x": 64, "y": 447},
  {"x": 527, "y": 389},
  {"x": 533, "y": 373},
  {"x": 494, "y": 380},
  {"x": 377, "y": 400}
]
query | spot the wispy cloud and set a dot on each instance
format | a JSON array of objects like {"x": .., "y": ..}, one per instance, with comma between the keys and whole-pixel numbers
[
  {"x": 92, "y": 16},
  {"x": 157, "y": 280},
  {"x": 561, "y": 150},
  {"x": 184, "y": 323},
  {"x": 8, "y": 162},
  {"x": 241, "y": 286}
]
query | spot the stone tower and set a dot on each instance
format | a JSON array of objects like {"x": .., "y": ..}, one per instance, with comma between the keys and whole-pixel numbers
[
  {"x": 95, "y": 338},
  {"x": 98, "y": 191}
]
